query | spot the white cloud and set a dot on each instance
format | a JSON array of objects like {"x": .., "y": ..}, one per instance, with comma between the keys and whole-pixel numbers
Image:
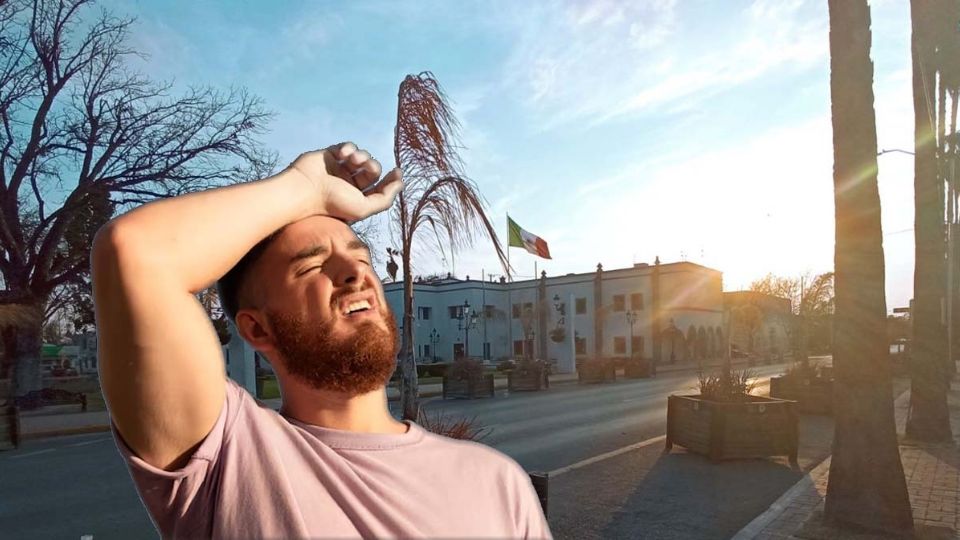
[{"x": 598, "y": 61}]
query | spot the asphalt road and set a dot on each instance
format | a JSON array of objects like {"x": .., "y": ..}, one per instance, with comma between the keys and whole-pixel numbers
[{"x": 72, "y": 486}]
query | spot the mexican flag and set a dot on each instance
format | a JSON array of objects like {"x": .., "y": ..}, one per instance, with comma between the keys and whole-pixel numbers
[{"x": 531, "y": 242}]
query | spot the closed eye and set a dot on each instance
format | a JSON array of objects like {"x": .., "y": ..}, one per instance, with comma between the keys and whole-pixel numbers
[{"x": 309, "y": 269}]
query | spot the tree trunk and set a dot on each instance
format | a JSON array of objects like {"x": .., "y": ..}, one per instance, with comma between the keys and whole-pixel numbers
[
  {"x": 867, "y": 487},
  {"x": 929, "y": 418},
  {"x": 409, "y": 392},
  {"x": 28, "y": 342}
]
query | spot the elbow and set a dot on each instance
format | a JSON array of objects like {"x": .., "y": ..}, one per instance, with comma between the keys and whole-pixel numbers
[{"x": 110, "y": 242}]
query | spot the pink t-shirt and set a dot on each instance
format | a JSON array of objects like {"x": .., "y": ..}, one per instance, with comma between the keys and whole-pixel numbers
[{"x": 261, "y": 475}]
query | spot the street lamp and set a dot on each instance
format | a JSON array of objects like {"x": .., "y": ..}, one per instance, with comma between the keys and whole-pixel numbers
[
  {"x": 434, "y": 340},
  {"x": 467, "y": 320},
  {"x": 632, "y": 318}
]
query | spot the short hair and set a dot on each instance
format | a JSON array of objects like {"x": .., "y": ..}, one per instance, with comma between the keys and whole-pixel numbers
[{"x": 231, "y": 284}]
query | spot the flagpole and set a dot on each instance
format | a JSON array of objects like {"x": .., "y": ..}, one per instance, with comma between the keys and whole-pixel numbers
[
  {"x": 509, "y": 295},
  {"x": 509, "y": 276}
]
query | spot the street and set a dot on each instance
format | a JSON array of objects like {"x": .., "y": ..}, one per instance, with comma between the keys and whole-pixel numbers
[{"x": 71, "y": 486}]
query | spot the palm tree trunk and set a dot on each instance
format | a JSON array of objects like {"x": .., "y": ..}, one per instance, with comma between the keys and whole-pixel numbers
[
  {"x": 929, "y": 417},
  {"x": 409, "y": 392},
  {"x": 869, "y": 493}
]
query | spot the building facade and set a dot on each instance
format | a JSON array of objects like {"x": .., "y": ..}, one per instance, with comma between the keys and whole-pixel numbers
[{"x": 667, "y": 312}]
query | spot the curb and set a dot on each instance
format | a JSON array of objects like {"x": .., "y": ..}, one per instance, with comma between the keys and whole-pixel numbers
[
  {"x": 755, "y": 527},
  {"x": 34, "y": 435}
]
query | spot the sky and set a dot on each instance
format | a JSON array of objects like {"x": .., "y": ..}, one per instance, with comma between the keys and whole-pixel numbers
[{"x": 617, "y": 131}]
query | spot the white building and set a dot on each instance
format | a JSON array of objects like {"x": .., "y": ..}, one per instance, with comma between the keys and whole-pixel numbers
[{"x": 677, "y": 312}]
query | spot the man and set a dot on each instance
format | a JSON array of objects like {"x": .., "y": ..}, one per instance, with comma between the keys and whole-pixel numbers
[{"x": 210, "y": 461}]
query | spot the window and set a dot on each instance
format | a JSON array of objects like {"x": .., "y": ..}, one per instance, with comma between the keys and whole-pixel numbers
[
  {"x": 516, "y": 311},
  {"x": 619, "y": 302},
  {"x": 488, "y": 311},
  {"x": 619, "y": 345},
  {"x": 636, "y": 301},
  {"x": 518, "y": 347},
  {"x": 581, "y": 345},
  {"x": 581, "y": 306},
  {"x": 528, "y": 307},
  {"x": 426, "y": 351},
  {"x": 456, "y": 312},
  {"x": 636, "y": 346},
  {"x": 486, "y": 351},
  {"x": 423, "y": 313}
]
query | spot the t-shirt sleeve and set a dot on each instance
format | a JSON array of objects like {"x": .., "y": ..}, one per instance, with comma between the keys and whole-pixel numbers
[
  {"x": 532, "y": 523},
  {"x": 179, "y": 501}
]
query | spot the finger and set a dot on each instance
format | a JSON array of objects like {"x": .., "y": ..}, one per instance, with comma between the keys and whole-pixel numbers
[
  {"x": 356, "y": 159},
  {"x": 343, "y": 150},
  {"x": 381, "y": 197},
  {"x": 367, "y": 174}
]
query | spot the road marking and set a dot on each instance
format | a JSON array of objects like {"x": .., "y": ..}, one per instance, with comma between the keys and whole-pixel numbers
[
  {"x": 608, "y": 455},
  {"x": 28, "y": 454},
  {"x": 84, "y": 443}
]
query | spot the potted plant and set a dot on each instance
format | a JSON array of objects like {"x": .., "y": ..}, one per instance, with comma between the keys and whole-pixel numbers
[
  {"x": 530, "y": 375},
  {"x": 725, "y": 421},
  {"x": 592, "y": 370},
  {"x": 465, "y": 378},
  {"x": 638, "y": 367},
  {"x": 809, "y": 384}
]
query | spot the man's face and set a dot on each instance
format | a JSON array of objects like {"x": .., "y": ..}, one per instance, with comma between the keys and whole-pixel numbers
[{"x": 326, "y": 308}]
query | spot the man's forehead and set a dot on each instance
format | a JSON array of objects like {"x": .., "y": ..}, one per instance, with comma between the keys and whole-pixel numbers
[{"x": 312, "y": 232}]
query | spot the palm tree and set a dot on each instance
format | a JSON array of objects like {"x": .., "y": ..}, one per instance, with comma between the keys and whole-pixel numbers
[
  {"x": 868, "y": 493},
  {"x": 436, "y": 196},
  {"x": 929, "y": 417}
]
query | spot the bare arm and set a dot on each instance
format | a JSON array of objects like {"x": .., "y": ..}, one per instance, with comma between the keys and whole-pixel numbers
[{"x": 161, "y": 366}]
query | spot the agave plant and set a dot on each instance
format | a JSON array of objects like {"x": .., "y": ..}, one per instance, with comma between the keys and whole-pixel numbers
[
  {"x": 437, "y": 199},
  {"x": 468, "y": 429}
]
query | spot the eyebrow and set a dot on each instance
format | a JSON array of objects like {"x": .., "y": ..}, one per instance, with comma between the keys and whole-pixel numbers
[{"x": 313, "y": 251}]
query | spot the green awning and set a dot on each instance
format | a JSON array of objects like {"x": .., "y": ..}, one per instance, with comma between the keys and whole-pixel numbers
[{"x": 50, "y": 349}]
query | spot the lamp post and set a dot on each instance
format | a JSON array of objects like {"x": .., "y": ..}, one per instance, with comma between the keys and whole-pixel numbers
[
  {"x": 632, "y": 318},
  {"x": 467, "y": 320},
  {"x": 434, "y": 340}
]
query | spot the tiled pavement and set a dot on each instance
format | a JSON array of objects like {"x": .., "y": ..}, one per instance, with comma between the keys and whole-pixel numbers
[{"x": 933, "y": 483}]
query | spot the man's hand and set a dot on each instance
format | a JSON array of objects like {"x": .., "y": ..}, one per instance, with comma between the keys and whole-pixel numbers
[{"x": 341, "y": 177}]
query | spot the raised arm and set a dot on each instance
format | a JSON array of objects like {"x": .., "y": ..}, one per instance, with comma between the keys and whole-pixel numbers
[{"x": 161, "y": 366}]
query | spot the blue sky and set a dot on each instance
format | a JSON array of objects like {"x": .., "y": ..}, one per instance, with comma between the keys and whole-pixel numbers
[{"x": 617, "y": 131}]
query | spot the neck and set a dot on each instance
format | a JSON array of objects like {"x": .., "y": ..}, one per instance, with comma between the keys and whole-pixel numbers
[{"x": 365, "y": 413}]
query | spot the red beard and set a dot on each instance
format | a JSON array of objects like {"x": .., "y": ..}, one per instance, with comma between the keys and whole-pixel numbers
[{"x": 357, "y": 364}]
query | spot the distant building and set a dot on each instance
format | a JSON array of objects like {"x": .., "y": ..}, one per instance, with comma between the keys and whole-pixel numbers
[{"x": 677, "y": 312}]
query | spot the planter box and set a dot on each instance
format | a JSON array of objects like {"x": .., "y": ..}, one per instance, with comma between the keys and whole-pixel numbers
[
  {"x": 529, "y": 380},
  {"x": 760, "y": 427},
  {"x": 813, "y": 396},
  {"x": 597, "y": 370},
  {"x": 471, "y": 388},
  {"x": 438, "y": 369},
  {"x": 9, "y": 428},
  {"x": 639, "y": 369}
]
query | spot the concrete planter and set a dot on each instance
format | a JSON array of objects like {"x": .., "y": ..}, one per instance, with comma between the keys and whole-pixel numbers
[
  {"x": 639, "y": 368},
  {"x": 813, "y": 396},
  {"x": 532, "y": 380},
  {"x": 597, "y": 370},
  {"x": 758, "y": 428},
  {"x": 468, "y": 388},
  {"x": 9, "y": 428}
]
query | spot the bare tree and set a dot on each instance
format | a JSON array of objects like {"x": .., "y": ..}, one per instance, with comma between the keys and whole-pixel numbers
[
  {"x": 437, "y": 198},
  {"x": 74, "y": 117},
  {"x": 868, "y": 493}
]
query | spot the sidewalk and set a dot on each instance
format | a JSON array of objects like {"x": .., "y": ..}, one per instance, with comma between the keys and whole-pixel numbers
[
  {"x": 54, "y": 425},
  {"x": 933, "y": 482}
]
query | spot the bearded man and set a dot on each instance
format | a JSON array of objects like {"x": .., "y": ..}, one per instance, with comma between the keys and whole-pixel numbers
[{"x": 207, "y": 459}]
